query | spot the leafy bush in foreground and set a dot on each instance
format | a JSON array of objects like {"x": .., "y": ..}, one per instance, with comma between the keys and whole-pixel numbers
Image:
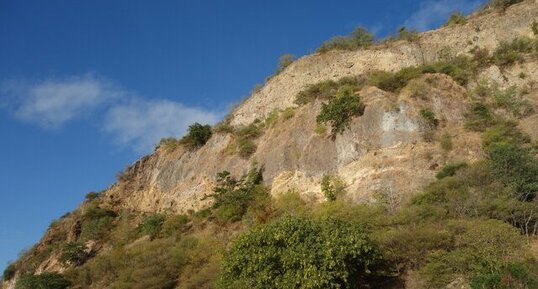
[
  {"x": 43, "y": 281},
  {"x": 300, "y": 252}
]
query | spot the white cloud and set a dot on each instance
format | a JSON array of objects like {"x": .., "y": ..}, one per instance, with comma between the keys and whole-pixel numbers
[
  {"x": 142, "y": 124},
  {"x": 52, "y": 103},
  {"x": 432, "y": 13}
]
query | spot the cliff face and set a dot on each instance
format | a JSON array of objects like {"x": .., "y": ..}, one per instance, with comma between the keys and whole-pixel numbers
[
  {"x": 383, "y": 150},
  {"x": 390, "y": 149}
]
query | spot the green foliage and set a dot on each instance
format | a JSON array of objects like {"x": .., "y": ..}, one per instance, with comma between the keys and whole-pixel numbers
[
  {"x": 456, "y": 18},
  {"x": 284, "y": 61},
  {"x": 324, "y": 90},
  {"x": 534, "y": 28},
  {"x": 197, "y": 135},
  {"x": 460, "y": 69},
  {"x": 91, "y": 196},
  {"x": 508, "y": 53},
  {"x": 511, "y": 100},
  {"x": 9, "y": 272},
  {"x": 502, "y": 4},
  {"x": 169, "y": 144},
  {"x": 151, "y": 225},
  {"x": 450, "y": 169},
  {"x": 408, "y": 35},
  {"x": 302, "y": 252},
  {"x": 244, "y": 138},
  {"x": 479, "y": 117},
  {"x": 339, "y": 111},
  {"x": 479, "y": 246},
  {"x": 332, "y": 187},
  {"x": 43, "y": 281},
  {"x": 96, "y": 223},
  {"x": 359, "y": 38},
  {"x": 174, "y": 225},
  {"x": 73, "y": 254},
  {"x": 446, "y": 142},
  {"x": 429, "y": 117},
  {"x": 232, "y": 197},
  {"x": 515, "y": 275}
]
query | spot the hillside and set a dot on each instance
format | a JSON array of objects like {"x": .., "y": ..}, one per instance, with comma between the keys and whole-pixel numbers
[{"x": 423, "y": 147}]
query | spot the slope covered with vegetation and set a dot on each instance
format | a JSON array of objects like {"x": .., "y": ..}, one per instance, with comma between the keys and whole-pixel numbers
[{"x": 474, "y": 226}]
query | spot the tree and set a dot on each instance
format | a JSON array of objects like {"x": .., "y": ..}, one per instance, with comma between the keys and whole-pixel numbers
[
  {"x": 339, "y": 110},
  {"x": 298, "y": 252},
  {"x": 197, "y": 135}
]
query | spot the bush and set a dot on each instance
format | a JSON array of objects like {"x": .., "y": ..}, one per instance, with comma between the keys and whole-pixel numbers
[
  {"x": 479, "y": 117},
  {"x": 197, "y": 135},
  {"x": 502, "y": 4},
  {"x": 233, "y": 197},
  {"x": 284, "y": 61},
  {"x": 429, "y": 117},
  {"x": 339, "y": 111},
  {"x": 300, "y": 251},
  {"x": 456, "y": 19},
  {"x": 43, "y": 281},
  {"x": 450, "y": 169},
  {"x": 534, "y": 28},
  {"x": 323, "y": 90},
  {"x": 151, "y": 225},
  {"x": 96, "y": 223},
  {"x": 508, "y": 53},
  {"x": 169, "y": 144},
  {"x": 332, "y": 187},
  {"x": 174, "y": 225},
  {"x": 446, "y": 142},
  {"x": 408, "y": 35},
  {"x": 359, "y": 38},
  {"x": 245, "y": 136},
  {"x": 92, "y": 196},
  {"x": 479, "y": 246},
  {"x": 73, "y": 254},
  {"x": 394, "y": 81},
  {"x": 9, "y": 272}
]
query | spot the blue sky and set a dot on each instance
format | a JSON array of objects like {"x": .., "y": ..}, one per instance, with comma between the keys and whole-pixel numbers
[{"x": 86, "y": 87}]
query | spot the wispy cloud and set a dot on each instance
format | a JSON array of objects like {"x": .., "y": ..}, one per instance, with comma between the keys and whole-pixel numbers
[
  {"x": 432, "y": 13},
  {"x": 52, "y": 103},
  {"x": 128, "y": 119},
  {"x": 141, "y": 123}
]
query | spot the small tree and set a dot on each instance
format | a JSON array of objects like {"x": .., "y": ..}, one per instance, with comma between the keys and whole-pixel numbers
[
  {"x": 197, "y": 135},
  {"x": 73, "y": 254},
  {"x": 284, "y": 61},
  {"x": 339, "y": 110}
]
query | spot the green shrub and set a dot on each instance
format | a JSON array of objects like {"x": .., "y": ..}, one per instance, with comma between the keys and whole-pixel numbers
[
  {"x": 169, "y": 144},
  {"x": 359, "y": 38},
  {"x": 233, "y": 197},
  {"x": 339, "y": 111},
  {"x": 42, "y": 281},
  {"x": 479, "y": 117},
  {"x": 534, "y": 28},
  {"x": 284, "y": 61},
  {"x": 456, "y": 18},
  {"x": 408, "y": 35},
  {"x": 502, "y": 4},
  {"x": 479, "y": 246},
  {"x": 73, "y": 254},
  {"x": 515, "y": 275},
  {"x": 300, "y": 251},
  {"x": 332, "y": 187},
  {"x": 96, "y": 223},
  {"x": 244, "y": 138},
  {"x": 429, "y": 117},
  {"x": 450, "y": 169},
  {"x": 151, "y": 225},
  {"x": 9, "y": 272},
  {"x": 394, "y": 81},
  {"x": 91, "y": 196},
  {"x": 512, "y": 101},
  {"x": 174, "y": 225},
  {"x": 324, "y": 90},
  {"x": 197, "y": 136},
  {"x": 508, "y": 53},
  {"x": 446, "y": 142}
]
